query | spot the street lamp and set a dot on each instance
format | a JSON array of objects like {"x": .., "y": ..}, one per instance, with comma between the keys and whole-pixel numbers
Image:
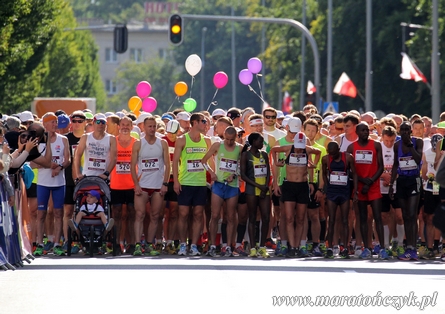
[{"x": 203, "y": 35}]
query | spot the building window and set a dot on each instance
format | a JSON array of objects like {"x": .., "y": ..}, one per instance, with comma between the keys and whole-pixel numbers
[
  {"x": 110, "y": 55},
  {"x": 136, "y": 55},
  {"x": 110, "y": 87}
]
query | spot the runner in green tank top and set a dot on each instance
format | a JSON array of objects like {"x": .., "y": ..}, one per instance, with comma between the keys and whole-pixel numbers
[
  {"x": 225, "y": 185},
  {"x": 190, "y": 180}
]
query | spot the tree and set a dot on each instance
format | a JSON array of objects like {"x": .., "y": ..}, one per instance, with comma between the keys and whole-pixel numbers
[{"x": 162, "y": 74}]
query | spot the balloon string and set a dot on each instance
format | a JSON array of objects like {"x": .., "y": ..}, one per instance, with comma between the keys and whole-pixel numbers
[
  {"x": 177, "y": 98},
  {"x": 259, "y": 85},
  {"x": 252, "y": 90},
  {"x": 191, "y": 86},
  {"x": 213, "y": 102}
]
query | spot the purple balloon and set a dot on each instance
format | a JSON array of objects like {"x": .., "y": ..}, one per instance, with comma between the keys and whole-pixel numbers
[
  {"x": 245, "y": 76},
  {"x": 254, "y": 65}
]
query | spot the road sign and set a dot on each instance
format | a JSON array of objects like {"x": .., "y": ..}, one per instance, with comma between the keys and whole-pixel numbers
[{"x": 330, "y": 107}]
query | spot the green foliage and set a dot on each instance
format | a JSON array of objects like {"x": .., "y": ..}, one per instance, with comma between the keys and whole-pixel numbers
[{"x": 162, "y": 75}]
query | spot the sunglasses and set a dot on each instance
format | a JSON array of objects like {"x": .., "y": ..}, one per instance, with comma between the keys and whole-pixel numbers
[
  {"x": 100, "y": 122},
  {"x": 216, "y": 117},
  {"x": 339, "y": 129},
  {"x": 78, "y": 121},
  {"x": 204, "y": 121},
  {"x": 270, "y": 117},
  {"x": 27, "y": 122}
]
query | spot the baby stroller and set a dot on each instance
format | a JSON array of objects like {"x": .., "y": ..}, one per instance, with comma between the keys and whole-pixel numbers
[{"x": 91, "y": 229}]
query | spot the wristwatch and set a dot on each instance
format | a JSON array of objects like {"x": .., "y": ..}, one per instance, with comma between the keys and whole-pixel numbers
[
  {"x": 165, "y": 183},
  {"x": 322, "y": 191},
  {"x": 107, "y": 173},
  {"x": 61, "y": 166}
]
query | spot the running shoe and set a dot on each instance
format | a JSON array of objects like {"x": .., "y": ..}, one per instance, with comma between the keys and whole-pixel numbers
[
  {"x": 358, "y": 251},
  {"x": 182, "y": 250},
  {"x": 329, "y": 253},
  {"x": 423, "y": 252},
  {"x": 376, "y": 250},
  {"x": 228, "y": 252},
  {"x": 150, "y": 250},
  {"x": 58, "y": 250},
  {"x": 303, "y": 252},
  {"x": 366, "y": 254},
  {"x": 263, "y": 252},
  {"x": 322, "y": 247},
  {"x": 48, "y": 247},
  {"x": 290, "y": 253},
  {"x": 253, "y": 253},
  {"x": 169, "y": 249},
  {"x": 344, "y": 253},
  {"x": 442, "y": 257},
  {"x": 410, "y": 254},
  {"x": 283, "y": 251},
  {"x": 223, "y": 251},
  {"x": 383, "y": 254},
  {"x": 75, "y": 249},
  {"x": 399, "y": 251},
  {"x": 309, "y": 247},
  {"x": 316, "y": 251},
  {"x": 194, "y": 250},
  {"x": 278, "y": 248},
  {"x": 137, "y": 250},
  {"x": 38, "y": 251},
  {"x": 65, "y": 246},
  {"x": 270, "y": 244},
  {"x": 336, "y": 250},
  {"x": 109, "y": 225},
  {"x": 159, "y": 247},
  {"x": 212, "y": 251},
  {"x": 240, "y": 251}
]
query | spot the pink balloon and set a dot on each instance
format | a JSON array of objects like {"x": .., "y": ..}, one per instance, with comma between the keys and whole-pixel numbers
[
  {"x": 149, "y": 104},
  {"x": 245, "y": 77},
  {"x": 254, "y": 65},
  {"x": 220, "y": 79},
  {"x": 143, "y": 89}
]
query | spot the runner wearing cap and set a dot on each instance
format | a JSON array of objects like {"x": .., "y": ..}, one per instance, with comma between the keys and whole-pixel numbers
[
  {"x": 190, "y": 180},
  {"x": 184, "y": 121},
  {"x": 51, "y": 180},
  {"x": 235, "y": 115},
  {"x": 296, "y": 190},
  {"x": 78, "y": 121},
  {"x": 100, "y": 151},
  {"x": 122, "y": 186},
  {"x": 150, "y": 170},
  {"x": 170, "y": 213}
]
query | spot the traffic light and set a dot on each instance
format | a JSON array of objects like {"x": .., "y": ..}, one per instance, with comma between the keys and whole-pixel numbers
[
  {"x": 120, "y": 38},
  {"x": 175, "y": 29}
]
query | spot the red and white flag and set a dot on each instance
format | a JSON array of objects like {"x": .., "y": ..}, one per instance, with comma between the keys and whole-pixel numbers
[
  {"x": 287, "y": 105},
  {"x": 345, "y": 86},
  {"x": 410, "y": 71},
  {"x": 311, "y": 88}
]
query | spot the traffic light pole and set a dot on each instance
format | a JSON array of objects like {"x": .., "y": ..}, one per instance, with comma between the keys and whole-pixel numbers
[{"x": 271, "y": 20}]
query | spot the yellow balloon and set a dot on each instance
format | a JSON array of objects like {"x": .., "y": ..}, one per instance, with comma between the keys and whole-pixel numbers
[
  {"x": 181, "y": 89},
  {"x": 134, "y": 103},
  {"x": 137, "y": 113}
]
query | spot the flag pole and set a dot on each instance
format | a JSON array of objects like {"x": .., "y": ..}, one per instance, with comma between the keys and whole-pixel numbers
[{"x": 361, "y": 96}]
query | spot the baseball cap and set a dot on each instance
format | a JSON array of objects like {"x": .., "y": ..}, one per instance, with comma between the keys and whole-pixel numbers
[
  {"x": 294, "y": 125},
  {"x": 94, "y": 193},
  {"x": 142, "y": 117},
  {"x": 78, "y": 114},
  {"x": 172, "y": 126},
  {"x": 63, "y": 121},
  {"x": 183, "y": 116},
  {"x": 167, "y": 116},
  {"x": 49, "y": 116},
  {"x": 218, "y": 112},
  {"x": 109, "y": 114},
  {"x": 120, "y": 114},
  {"x": 441, "y": 125},
  {"x": 100, "y": 116},
  {"x": 280, "y": 114},
  {"x": 285, "y": 122},
  {"x": 300, "y": 140},
  {"x": 233, "y": 114},
  {"x": 26, "y": 116},
  {"x": 89, "y": 115}
]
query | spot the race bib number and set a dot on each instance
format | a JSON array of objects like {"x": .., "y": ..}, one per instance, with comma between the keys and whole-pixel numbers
[
  {"x": 338, "y": 178},
  {"x": 73, "y": 148},
  {"x": 171, "y": 150},
  {"x": 194, "y": 166},
  {"x": 260, "y": 171},
  {"x": 299, "y": 160},
  {"x": 228, "y": 165},
  {"x": 407, "y": 163},
  {"x": 363, "y": 157},
  {"x": 123, "y": 167},
  {"x": 96, "y": 164},
  {"x": 56, "y": 159},
  {"x": 148, "y": 165}
]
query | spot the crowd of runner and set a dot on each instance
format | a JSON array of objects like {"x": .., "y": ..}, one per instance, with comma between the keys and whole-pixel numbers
[{"x": 234, "y": 183}]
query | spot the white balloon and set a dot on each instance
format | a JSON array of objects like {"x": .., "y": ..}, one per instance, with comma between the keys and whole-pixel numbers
[{"x": 193, "y": 64}]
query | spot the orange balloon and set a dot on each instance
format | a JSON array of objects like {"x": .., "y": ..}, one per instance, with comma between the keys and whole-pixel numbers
[
  {"x": 181, "y": 89},
  {"x": 136, "y": 113},
  {"x": 134, "y": 103}
]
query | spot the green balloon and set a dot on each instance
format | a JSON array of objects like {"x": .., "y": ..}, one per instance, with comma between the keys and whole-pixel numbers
[{"x": 189, "y": 104}]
